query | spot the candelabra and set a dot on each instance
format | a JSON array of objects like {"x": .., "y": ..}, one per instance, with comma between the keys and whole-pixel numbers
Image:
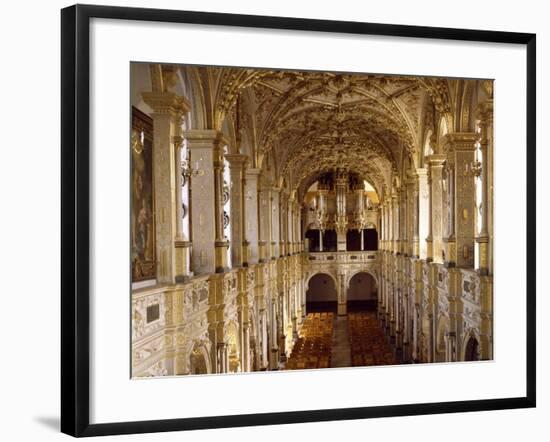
[
  {"x": 474, "y": 168},
  {"x": 187, "y": 171},
  {"x": 322, "y": 219}
]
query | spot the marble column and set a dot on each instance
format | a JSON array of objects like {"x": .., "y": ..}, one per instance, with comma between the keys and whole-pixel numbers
[
  {"x": 290, "y": 225},
  {"x": 264, "y": 332},
  {"x": 246, "y": 338},
  {"x": 283, "y": 218},
  {"x": 341, "y": 186},
  {"x": 395, "y": 219},
  {"x": 415, "y": 204},
  {"x": 405, "y": 326},
  {"x": 413, "y": 244},
  {"x": 221, "y": 243},
  {"x": 264, "y": 222},
  {"x": 275, "y": 224},
  {"x": 282, "y": 326},
  {"x": 239, "y": 245},
  {"x": 222, "y": 357},
  {"x": 205, "y": 187},
  {"x": 251, "y": 209},
  {"x": 435, "y": 219},
  {"x": 462, "y": 148},
  {"x": 423, "y": 211},
  {"x": 402, "y": 210},
  {"x": 274, "y": 338},
  {"x": 182, "y": 244},
  {"x": 389, "y": 229},
  {"x": 382, "y": 234},
  {"x": 485, "y": 113},
  {"x": 342, "y": 298},
  {"x": 168, "y": 111},
  {"x": 449, "y": 238},
  {"x": 322, "y": 192},
  {"x": 386, "y": 218}
]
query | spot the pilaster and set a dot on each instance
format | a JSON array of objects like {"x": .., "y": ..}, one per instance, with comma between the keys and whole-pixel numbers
[
  {"x": 239, "y": 245},
  {"x": 206, "y": 187},
  {"x": 462, "y": 148},
  {"x": 168, "y": 112},
  {"x": 435, "y": 220},
  {"x": 251, "y": 221}
]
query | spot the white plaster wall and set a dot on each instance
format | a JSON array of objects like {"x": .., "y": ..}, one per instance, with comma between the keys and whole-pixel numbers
[{"x": 362, "y": 286}]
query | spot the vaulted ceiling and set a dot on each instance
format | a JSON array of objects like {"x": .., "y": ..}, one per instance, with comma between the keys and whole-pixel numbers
[{"x": 305, "y": 123}]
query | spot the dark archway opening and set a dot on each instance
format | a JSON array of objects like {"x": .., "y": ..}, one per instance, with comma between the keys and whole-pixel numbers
[
  {"x": 198, "y": 363},
  {"x": 321, "y": 295},
  {"x": 353, "y": 240},
  {"x": 362, "y": 293},
  {"x": 472, "y": 350},
  {"x": 371, "y": 239},
  {"x": 330, "y": 241},
  {"x": 312, "y": 235}
]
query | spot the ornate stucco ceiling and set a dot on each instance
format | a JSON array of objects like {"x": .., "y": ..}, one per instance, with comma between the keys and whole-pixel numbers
[{"x": 310, "y": 122}]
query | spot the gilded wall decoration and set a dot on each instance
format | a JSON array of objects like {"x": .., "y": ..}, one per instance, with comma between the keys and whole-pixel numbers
[{"x": 295, "y": 127}]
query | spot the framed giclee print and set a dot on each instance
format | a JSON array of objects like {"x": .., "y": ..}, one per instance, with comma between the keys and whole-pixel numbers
[{"x": 275, "y": 220}]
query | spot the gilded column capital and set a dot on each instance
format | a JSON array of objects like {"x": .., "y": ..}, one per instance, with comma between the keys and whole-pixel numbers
[
  {"x": 484, "y": 112},
  {"x": 460, "y": 141},
  {"x": 237, "y": 160},
  {"x": 204, "y": 137},
  {"x": 167, "y": 103},
  {"x": 436, "y": 159},
  {"x": 250, "y": 171},
  {"x": 421, "y": 171}
]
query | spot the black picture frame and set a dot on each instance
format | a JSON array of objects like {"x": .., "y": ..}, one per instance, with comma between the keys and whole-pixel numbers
[{"x": 75, "y": 224}]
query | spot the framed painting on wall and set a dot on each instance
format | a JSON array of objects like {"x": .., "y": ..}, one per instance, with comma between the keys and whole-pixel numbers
[{"x": 257, "y": 224}]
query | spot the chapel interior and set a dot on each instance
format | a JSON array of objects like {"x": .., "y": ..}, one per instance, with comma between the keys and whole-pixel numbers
[{"x": 286, "y": 220}]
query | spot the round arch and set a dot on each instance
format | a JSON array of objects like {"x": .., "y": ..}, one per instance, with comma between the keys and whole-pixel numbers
[
  {"x": 442, "y": 328},
  {"x": 253, "y": 336},
  {"x": 322, "y": 272},
  {"x": 199, "y": 360},
  {"x": 362, "y": 290},
  {"x": 444, "y": 127},
  {"x": 233, "y": 353},
  {"x": 321, "y": 292},
  {"x": 471, "y": 347},
  {"x": 370, "y": 271}
]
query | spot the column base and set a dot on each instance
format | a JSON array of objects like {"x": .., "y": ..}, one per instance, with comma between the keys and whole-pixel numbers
[
  {"x": 406, "y": 357},
  {"x": 221, "y": 248},
  {"x": 182, "y": 279},
  {"x": 342, "y": 309}
]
